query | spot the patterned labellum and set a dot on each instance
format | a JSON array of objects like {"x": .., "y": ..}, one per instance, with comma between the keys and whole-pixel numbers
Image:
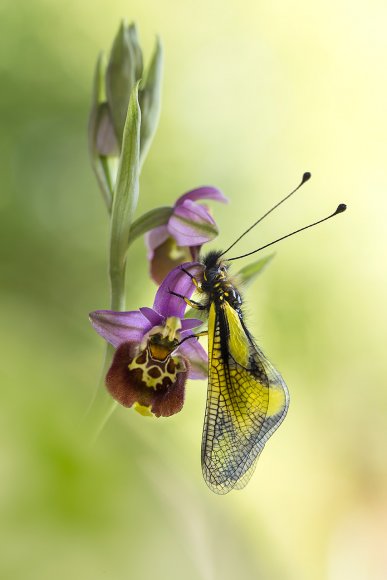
[
  {"x": 155, "y": 367},
  {"x": 151, "y": 377}
]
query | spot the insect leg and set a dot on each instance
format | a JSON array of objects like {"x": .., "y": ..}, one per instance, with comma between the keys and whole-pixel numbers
[
  {"x": 188, "y": 301},
  {"x": 197, "y": 336},
  {"x": 201, "y": 333},
  {"x": 196, "y": 282}
]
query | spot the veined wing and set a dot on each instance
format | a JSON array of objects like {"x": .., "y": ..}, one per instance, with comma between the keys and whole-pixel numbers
[{"x": 247, "y": 400}]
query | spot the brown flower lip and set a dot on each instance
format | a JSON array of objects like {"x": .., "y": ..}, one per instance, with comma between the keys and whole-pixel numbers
[{"x": 153, "y": 376}]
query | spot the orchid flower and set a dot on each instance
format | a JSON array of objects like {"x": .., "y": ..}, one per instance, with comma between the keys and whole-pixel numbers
[
  {"x": 154, "y": 352},
  {"x": 180, "y": 239}
]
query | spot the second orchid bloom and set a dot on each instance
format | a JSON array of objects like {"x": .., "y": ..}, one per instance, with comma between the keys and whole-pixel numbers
[{"x": 189, "y": 227}]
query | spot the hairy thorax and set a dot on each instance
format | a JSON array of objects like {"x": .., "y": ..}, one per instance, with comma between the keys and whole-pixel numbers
[{"x": 220, "y": 288}]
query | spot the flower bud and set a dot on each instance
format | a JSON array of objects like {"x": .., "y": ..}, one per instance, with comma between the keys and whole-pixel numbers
[
  {"x": 124, "y": 69},
  {"x": 113, "y": 85}
]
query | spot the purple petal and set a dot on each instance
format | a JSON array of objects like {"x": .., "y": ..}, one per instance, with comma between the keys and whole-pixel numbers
[
  {"x": 119, "y": 327},
  {"x": 192, "y": 350},
  {"x": 191, "y": 224},
  {"x": 205, "y": 192},
  {"x": 168, "y": 305},
  {"x": 195, "y": 253},
  {"x": 154, "y": 317},
  {"x": 154, "y": 238},
  {"x": 188, "y": 323},
  {"x": 106, "y": 140}
]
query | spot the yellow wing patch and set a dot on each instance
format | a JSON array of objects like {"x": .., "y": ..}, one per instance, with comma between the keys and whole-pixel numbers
[
  {"x": 246, "y": 402},
  {"x": 237, "y": 343},
  {"x": 277, "y": 400}
]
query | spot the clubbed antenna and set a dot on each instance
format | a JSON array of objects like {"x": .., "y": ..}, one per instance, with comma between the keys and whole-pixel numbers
[
  {"x": 305, "y": 178},
  {"x": 340, "y": 208}
]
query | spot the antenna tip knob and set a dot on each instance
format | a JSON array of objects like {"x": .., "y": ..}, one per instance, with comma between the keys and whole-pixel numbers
[
  {"x": 342, "y": 207},
  {"x": 307, "y": 175}
]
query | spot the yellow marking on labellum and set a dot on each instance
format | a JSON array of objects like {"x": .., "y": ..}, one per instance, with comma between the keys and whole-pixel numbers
[
  {"x": 156, "y": 364},
  {"x": 144, "y": 410},
  {"x": 176, "y": 252}
]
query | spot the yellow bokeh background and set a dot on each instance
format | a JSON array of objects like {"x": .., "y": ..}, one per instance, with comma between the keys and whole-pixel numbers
[{"x": 255, "y": 93}]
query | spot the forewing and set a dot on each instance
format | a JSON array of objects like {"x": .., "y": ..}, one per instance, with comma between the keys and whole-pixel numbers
[{"x": 247, "y": 400}]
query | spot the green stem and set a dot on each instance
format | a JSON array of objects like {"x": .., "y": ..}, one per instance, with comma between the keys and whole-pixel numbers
[
  {"x": 117, "y": 287},
  {"x": 124, "y": 205}
]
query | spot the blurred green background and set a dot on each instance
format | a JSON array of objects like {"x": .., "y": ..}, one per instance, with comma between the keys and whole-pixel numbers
[{"x": 254, "y": 94}]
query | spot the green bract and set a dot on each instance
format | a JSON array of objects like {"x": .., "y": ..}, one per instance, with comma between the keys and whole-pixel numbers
[
  {"x": 150, "y": 99},
  {"x": 152, "y": 219},
  {"x": 102, "y": 140},
  {"x": 248, "y": 273},
  {"x": 125, "y": 193}
]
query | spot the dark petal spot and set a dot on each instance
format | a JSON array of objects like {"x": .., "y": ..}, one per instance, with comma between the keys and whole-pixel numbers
[
  {"x": 166, "y": 382},
  {"x": 171, "y": 366},
  {"x": 141, "y": 358},
  {"x": 154, "y": 372}
]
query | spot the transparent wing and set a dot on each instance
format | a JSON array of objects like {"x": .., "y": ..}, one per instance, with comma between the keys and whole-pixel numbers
[{"x": 246, "y": 402}]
